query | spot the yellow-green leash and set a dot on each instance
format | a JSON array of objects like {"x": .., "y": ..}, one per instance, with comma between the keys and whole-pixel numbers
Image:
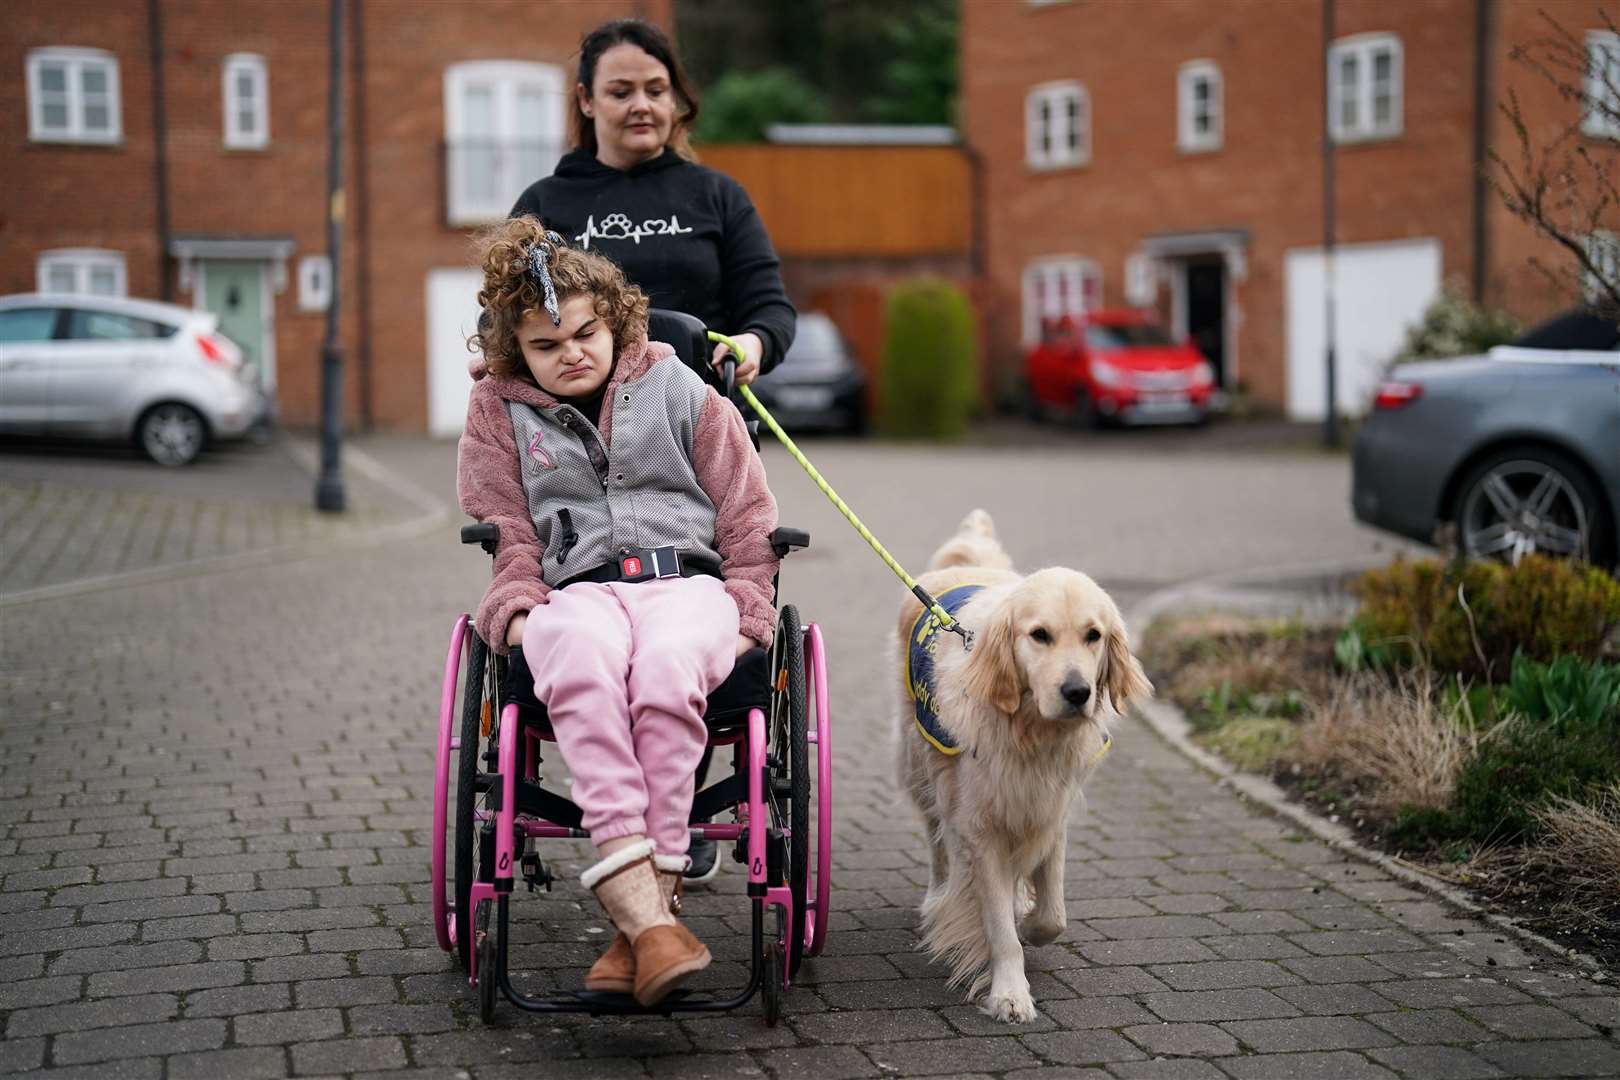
[{"x": 940, "y": 615}]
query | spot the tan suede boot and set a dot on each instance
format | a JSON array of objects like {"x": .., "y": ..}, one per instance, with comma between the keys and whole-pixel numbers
[
  {"x": 615, "y": 970},
  {"x": 671, "y": 869},
  {"x": 663, "y": 950}
]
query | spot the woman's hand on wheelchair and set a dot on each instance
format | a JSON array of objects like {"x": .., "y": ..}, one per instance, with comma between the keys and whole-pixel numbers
[{"x": 748, "y": 363}]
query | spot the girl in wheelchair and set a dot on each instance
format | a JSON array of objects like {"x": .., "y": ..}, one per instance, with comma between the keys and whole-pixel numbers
[{"x": 633, "y": 567}]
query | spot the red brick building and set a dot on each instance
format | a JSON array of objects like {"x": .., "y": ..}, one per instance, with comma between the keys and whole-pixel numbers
[
  {"x": 1170, "y": 153},
  {"x": 177, "y": 149}
]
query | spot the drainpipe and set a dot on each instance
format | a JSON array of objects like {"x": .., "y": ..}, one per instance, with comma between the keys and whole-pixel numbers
[
  {"x": 329, "y": 492},
  {"x": 362, "y": 219},
  {"x": 1330, "y": 425},
  {"x": 160, "y": 140},
  {"x": 1484, "y": 48}
]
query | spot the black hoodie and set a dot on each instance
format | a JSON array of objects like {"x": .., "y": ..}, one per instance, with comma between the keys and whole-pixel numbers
[{"x": 689, "y": 236}]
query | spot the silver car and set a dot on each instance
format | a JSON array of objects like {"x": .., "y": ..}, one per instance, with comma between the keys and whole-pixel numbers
[
  {"x": 1518, "y": 449},
  {"x": 110, "y": 368}
]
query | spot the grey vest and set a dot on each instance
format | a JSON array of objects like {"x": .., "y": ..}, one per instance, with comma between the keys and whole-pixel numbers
[{"x": 588, "y": 503}]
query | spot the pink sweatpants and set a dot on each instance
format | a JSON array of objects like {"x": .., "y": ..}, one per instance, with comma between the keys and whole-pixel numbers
[{"x": 625, "y": 670}]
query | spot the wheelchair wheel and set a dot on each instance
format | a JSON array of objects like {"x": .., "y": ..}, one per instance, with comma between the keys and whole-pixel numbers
[
  {"x": 474, "y": 686},
  {"x": 790, "y": 748},
  {"x": 771, "y": 990}
]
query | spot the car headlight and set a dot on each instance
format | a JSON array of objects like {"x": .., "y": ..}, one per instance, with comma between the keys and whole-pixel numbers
[
  {"x": 1203, "y": 374},
  {"x": 1107, "y": 374}
]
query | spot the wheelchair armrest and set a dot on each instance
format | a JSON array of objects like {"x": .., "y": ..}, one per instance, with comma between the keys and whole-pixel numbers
[
  {"x": 483, "y": 533},
  {"x": 784, "y": 540}
]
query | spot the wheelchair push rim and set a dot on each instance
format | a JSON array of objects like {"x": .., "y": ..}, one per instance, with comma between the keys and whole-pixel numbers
[{"x": 447, "y": 746}]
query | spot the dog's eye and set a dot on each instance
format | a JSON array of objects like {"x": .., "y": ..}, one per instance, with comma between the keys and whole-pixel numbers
[
  {"x": 1093, "y": 636},
  {"x": 1040, "y": 635}
]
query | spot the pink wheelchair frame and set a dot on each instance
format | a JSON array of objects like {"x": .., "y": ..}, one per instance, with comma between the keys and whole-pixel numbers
[{"x": 523, "y": 810}]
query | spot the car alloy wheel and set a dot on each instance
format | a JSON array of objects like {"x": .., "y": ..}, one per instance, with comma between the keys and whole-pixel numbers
[
  {"x": 172, "y": 434},
  {"x": 1525, "y": 503}
]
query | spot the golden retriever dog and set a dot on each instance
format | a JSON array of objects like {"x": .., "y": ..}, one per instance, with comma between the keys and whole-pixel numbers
[{"x": 1024, "y": 708}]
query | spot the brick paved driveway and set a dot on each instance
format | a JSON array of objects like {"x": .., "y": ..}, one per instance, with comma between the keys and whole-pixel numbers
[{"x": 215, "y": 796}]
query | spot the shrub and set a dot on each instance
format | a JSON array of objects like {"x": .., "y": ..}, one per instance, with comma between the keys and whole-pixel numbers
[
  {"x": 742, "y": 104},
  {"x": 1471, "y": 618},
  {"x": 930, "y": 361},
  {"x": 1563, "y": 742},
  {"x": 1454, "y": 326}
]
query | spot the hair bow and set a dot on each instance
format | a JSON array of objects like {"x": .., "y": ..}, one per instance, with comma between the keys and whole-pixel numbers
[{"x": 540, "y": 255}]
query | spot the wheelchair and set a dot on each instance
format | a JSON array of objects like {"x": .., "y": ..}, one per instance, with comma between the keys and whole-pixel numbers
[{"x": 773, "y": 714}]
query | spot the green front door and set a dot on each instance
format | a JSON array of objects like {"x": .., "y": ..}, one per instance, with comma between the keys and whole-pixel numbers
[{"x": 234, "y": 290}]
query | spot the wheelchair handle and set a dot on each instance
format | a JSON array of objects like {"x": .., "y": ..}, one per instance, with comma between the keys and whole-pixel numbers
[{"x": 728, "y": 366}]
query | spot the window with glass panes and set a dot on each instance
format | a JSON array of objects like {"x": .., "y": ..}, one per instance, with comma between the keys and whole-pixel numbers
[
  {"x": 1057, "y": 125},
  {"x": 73, "y": 96},
  {"x": 503, "y": 131},
  {"x": 246, "y": 102},
  {"x": 81, "y": 270},
  {"x": 1365, "y": 81},
  {"x": 1199, "y": 120}
]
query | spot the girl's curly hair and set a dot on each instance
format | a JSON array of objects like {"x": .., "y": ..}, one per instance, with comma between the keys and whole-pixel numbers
[{"x": 510, "y": 291}]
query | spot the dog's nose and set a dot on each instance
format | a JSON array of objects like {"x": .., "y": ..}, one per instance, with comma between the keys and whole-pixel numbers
[{"x": 1076, "y": 691}]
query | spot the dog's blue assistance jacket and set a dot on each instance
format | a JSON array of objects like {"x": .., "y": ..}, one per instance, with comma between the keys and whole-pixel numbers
[{"x": 922, "y": 641}]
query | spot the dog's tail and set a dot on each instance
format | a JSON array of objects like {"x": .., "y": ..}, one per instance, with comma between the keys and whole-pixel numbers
[
  {"x": 974, "y": 544},
  {"x": 953, "y": 931}
]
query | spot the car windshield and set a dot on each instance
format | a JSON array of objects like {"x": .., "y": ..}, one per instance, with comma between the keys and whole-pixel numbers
[
  {"x": 816, "y": 346},
  {"x": 1135, "y": 336}
]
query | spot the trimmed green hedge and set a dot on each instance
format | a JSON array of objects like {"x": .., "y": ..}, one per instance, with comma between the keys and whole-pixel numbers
[{"x": 930, "y": 361}]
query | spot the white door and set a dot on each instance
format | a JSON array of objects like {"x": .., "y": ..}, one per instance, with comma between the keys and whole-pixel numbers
[
  {"x": 1380, "y": 290},
  {"x": 452, "y": 310}
]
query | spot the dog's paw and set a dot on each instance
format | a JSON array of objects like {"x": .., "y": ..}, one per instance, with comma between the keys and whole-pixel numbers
[
  {"x": 1036, "y": 932},
  {"x": 1010, "y": 1007}
]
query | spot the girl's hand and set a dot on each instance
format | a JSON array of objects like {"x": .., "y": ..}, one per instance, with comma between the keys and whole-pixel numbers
[
  {"x": 514, "y": 629},
  {"x": 744, "y": 643},
  {"x": 747, "y": 364}
]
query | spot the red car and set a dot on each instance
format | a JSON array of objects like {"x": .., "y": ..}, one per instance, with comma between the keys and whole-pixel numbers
[{"x": 1117, "y": 366}]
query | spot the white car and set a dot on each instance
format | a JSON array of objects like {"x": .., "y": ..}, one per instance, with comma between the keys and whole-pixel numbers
[{"x": 110, "y": 368}]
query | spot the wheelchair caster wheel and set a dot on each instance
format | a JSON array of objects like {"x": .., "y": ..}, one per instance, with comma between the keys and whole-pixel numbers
[
  {"x": 486, "y": 979},
  {"x": 771, "y": 991}
]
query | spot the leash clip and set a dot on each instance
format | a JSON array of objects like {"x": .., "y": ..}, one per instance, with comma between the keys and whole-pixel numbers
[{"x": 966, "y": 634}]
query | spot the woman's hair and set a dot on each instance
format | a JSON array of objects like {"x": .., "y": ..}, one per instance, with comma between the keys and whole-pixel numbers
[
  {"x": 652, "y": 41},
  {"x": 511, "y": 290}
]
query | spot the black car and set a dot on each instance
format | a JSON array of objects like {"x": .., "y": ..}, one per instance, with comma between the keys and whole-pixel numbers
[{"x": 818, "y": 385}]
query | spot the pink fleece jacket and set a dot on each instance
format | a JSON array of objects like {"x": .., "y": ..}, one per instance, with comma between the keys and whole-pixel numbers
[{"x": 490, "y": 486}]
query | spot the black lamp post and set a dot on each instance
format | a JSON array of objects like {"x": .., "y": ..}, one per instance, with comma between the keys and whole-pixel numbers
[
  {"x": 329, "y": 486},
  {"x": 1330, "y": 429}
]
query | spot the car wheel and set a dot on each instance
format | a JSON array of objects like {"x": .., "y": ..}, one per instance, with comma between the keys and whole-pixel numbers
[
  {"x": 1085, "y": 416},
  {"x": 1029, "y": 404},
  {"x": 1531, "y": 500},
  {"x": 171, "y": 433}
]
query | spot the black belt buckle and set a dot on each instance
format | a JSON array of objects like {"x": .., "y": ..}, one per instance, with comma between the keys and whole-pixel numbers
[{"x": 643, "y": 564}]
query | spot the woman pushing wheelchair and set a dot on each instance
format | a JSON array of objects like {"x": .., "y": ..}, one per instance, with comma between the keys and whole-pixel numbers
[{"x": 634, "y": 564}]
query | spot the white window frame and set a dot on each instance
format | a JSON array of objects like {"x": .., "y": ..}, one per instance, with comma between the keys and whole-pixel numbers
[
  {"x": 81, "y": 261},
  {"x": 1365, "y": 47},
  {"x": 505, "y": 79},
  {"x": 1073, "y": 272},
  {"x": 1602, "y": 123},
  {"x": 77, "y": 61},
  {"x": 1042, "y": 105},
  {"x": 1188, "y": 138},
  {"x": 236, "y": 136}
]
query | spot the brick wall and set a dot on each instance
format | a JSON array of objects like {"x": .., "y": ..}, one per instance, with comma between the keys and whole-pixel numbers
[
  {"x": 79, "y": 196},
  {"x": 1266, "y": 179}
]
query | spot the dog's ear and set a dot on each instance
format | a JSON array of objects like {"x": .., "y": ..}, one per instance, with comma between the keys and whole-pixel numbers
[
  {"x": 991, "y": 673},
  {"x": 1123, "y": 675}
]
